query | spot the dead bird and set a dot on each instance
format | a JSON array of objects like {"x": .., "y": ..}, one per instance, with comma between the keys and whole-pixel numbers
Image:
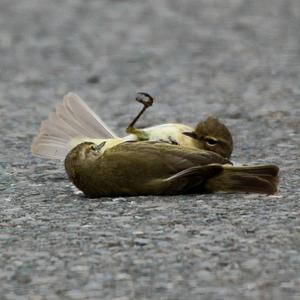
[
  {"x": 153, "y": 168},
  {"x": 74, "y": 122}
]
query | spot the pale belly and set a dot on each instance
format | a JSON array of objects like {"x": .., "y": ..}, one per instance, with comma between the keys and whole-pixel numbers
[{"x": 170, "y": 133}]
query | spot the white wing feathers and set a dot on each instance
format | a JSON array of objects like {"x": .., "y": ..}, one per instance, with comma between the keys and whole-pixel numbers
[{"x": 72, "y": 123}]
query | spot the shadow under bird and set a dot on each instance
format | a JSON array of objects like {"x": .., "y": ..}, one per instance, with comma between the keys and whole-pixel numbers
[
  {"x": 154, "y": 168},
  {"x": 74, "y": 122}
]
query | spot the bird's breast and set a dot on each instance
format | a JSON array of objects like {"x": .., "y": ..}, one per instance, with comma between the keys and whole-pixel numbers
[{"x": 171, "y": 133}]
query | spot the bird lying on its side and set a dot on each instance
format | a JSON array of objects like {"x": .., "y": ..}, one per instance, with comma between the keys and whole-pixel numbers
[
  {"x": 74, "y": 122},
  {"x": 152, "y": 168}
]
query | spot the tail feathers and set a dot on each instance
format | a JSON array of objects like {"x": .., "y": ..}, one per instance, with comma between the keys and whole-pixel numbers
[
  {"x": 72, "y": 122},
  {"x": 272, "y": 170},
  {"x": 50, "y": 150},
  {"x": 86, "y": 117},
  {"x": 258, "y": 179}
]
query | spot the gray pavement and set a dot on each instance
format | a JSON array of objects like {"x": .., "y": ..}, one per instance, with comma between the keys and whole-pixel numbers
[{"x": 237, "y": 59}]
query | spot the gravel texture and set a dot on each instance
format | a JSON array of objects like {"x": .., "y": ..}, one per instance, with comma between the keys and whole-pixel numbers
[{"x": 237, "y": 59}]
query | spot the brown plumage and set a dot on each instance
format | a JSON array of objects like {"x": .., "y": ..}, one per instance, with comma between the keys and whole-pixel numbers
[
  {"x": 212, "y": 135},
  {"x": 151, "y": 168},
  {"x": 73, "y": 123}
]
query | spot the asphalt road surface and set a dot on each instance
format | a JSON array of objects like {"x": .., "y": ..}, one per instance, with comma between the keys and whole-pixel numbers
[{"x": 238, "y": 60}]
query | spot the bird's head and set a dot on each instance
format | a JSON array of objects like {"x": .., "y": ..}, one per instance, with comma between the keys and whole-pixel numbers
[{"x": 212, "y": 135}]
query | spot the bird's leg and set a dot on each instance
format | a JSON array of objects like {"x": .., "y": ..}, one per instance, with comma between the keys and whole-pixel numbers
[{"x": 147, "y": 101}]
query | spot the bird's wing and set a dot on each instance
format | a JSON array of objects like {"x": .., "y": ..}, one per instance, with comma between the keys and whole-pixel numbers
[
  {"x": 201, "y": 172},
  {"x": 195, "y": 157},
  {"x": 191, "y": 168},
  {"x": 169, "y": 159}
]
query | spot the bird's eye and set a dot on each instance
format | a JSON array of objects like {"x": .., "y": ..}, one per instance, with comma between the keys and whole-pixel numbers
[
  {"x": 211, "y": 141},
  {"x": 93, "y": 147}
]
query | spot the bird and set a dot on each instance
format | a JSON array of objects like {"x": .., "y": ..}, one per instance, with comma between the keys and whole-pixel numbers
[
  {"x": 74, "y": 122},
  {"x": 139, "y": 168}
]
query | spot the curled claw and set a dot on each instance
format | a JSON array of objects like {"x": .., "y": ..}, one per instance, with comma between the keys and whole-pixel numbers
[
  {"x": 147, "y": 101},
  {"x": 144, "y": 98}
]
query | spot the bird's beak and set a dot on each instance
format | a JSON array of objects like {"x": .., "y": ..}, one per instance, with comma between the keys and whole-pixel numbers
[
  {"x": 100, "y": 146},
  {"x": 191, "y": 134}
]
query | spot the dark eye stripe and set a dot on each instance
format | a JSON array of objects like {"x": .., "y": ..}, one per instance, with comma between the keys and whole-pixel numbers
[{"x": 211, "y": 141}]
